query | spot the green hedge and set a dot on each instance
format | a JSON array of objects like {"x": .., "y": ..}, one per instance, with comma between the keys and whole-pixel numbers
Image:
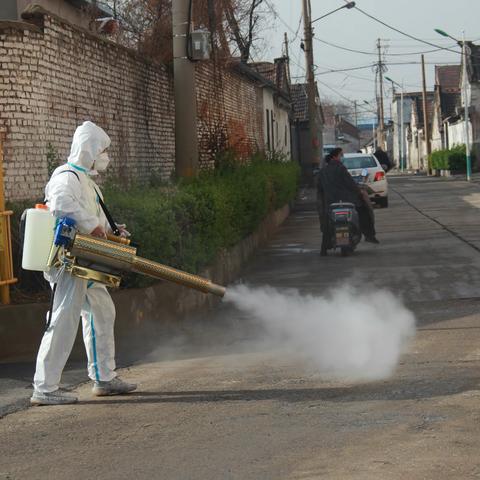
[
  {"x": 185, "y": 224},
  {"x": 453, "y": 159}
]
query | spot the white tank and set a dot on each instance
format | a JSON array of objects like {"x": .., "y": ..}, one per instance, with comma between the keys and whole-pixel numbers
[{"x": 38, "y": 238}]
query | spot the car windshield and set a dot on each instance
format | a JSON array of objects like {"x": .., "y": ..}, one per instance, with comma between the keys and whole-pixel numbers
[{"x": 359, "y": 162}]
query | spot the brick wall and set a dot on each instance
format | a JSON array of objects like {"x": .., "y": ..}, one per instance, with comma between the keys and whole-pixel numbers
[
  {"x": 53, "y": 78},
  {"x": 55, "y": 75},
  {"x": 229, "y": 109}
]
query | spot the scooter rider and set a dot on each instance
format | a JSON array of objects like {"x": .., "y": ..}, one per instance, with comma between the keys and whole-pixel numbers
[
  {"x": 335, "y": 184},
  {"x": 71, "y": 192},
  {"x": 383, "y": 159}
]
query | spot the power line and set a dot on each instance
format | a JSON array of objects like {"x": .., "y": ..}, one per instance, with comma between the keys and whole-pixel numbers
[
  {"x": 342, "y": 48},
  {"x": 363, "y": 52},
  {"x": 336, "y": 92},
  {"x": 340, "y": 70},
  {"x": 360, "y": 107},
  {"x": 344, "y": 70},
  {"x": 272, "y": 9},
  {"x": 404, "y": 33}
]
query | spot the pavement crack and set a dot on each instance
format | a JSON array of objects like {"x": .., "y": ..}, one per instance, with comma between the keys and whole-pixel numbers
[{"x": 442, "y": 225}]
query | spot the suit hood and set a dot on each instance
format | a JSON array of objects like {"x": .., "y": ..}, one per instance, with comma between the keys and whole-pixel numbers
[{"x": 89, "y": 140}]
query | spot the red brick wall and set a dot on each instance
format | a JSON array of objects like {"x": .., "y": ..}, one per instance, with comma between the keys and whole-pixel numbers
[{"x": 229, "y": 109}]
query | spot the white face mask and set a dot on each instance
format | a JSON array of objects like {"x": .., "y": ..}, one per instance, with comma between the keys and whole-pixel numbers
[{"x": 101, "y": 163}]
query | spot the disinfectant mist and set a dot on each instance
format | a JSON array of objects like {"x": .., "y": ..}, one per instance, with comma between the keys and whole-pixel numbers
[{"x": 348, "y": 333}]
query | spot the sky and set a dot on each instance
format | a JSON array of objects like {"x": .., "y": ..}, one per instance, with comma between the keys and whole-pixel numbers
[{"x": 351, "y": 29}]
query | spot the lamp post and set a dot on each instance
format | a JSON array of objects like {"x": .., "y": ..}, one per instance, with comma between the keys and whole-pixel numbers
[
  {"x": 348, "y": 6},
  {"x": 400, "y": 125},
  {"x": 465, "y": 98}
]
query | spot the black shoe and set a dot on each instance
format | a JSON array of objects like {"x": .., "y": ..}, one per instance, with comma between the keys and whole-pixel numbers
[{"x": 372, "y": 240}]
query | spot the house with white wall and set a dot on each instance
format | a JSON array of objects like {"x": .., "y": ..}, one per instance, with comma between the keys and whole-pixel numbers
[
  {"x": 416, "y": 140},
  {"x": 470, "y": 85},
  {"x": 277, "y": 105},
  {"x": 400, "y": 123},
  {"x": 446, "y": 104}
]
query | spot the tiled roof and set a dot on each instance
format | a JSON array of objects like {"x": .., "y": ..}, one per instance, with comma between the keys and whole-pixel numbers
[
  {"x": 266, "y": 69},
  {"x": 346, "y": 127},
  {"x": 275, "y": 73},
  {"x": 449, "y": 102},
  {"x": 259, "y": 78},
  {"x": 447, "y": 77},
  {"x": 298, "y": 92}
]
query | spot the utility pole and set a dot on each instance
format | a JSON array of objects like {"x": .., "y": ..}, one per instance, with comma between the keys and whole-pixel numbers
[
  {"x": 402, "y": 132},
  {"x": 186, "y": 141},
  {"x": 356, "y": 122},
  {"x": 315, "y": 134},
  {"x": 380, "y": 70},
  {"x": 287, "y": 56},
  {"x": 466, "y": 100},
  {"x": 426, "y": 126}
]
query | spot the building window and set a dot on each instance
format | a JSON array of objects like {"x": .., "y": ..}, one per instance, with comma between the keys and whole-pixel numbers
[{"x": 268, "y": 128}]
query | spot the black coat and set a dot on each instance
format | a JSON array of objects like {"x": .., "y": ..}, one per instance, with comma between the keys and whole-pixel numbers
[
  {"x": 335, "y": 184},
  {"x": 382, "y": 158}
]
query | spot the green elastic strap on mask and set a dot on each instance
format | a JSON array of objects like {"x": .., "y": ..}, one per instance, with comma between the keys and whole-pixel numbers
[{"x": 76, "y": 167}]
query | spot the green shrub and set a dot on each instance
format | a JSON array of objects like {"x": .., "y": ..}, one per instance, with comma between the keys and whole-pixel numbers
[
  {"x": 453, "y": 159},
  {"x": 187, "y": 223}
]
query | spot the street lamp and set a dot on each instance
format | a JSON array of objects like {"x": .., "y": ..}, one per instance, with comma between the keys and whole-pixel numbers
[
  {"x": 443, "y": 33},
  {"x": 465, "y": 98},
  {"x": 348, "y": 6},
  {"x": 401, "y": 125}
]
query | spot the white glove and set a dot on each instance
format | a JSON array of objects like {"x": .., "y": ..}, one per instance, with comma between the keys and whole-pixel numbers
[{"x": 124, "y": 233}]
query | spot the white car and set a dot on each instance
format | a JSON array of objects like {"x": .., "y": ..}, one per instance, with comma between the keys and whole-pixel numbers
[{"x": 376, "y": 180}]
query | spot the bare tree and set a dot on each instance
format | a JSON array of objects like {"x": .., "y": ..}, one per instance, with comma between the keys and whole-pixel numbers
[
  {"x": 146, "y": 25},
  {"x": 242, "y": 18}
]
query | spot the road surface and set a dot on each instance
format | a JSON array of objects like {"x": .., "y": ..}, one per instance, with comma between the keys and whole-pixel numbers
[{"x": 228, "y": 407}]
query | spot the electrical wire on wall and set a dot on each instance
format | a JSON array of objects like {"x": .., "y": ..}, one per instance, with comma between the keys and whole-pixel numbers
[{"x": 189, "y": 31}]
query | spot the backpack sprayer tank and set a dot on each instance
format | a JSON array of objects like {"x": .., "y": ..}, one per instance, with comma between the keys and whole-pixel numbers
[
  {"x": 97, "y": 259},
  {"x": 38, "y": 238}
]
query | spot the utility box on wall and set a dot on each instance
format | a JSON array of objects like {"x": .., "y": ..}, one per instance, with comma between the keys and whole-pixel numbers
[{"x": 200, "y": 45}]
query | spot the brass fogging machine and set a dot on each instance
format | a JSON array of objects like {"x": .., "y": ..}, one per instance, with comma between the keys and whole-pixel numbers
[{"x": 51, "y": 242}]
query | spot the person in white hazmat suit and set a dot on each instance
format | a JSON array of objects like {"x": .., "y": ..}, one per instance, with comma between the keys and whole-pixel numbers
[{"x": 71, "y": 192}]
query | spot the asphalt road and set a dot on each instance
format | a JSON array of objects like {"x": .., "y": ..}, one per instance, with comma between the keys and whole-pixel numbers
[{"x": 218, "y": 402}]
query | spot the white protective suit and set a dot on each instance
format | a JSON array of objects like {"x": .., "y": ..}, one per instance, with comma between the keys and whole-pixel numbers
[{"x": 73, "y": 195}]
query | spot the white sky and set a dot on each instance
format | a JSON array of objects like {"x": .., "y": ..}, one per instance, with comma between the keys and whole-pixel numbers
[{"x": 351, "y": 29}]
